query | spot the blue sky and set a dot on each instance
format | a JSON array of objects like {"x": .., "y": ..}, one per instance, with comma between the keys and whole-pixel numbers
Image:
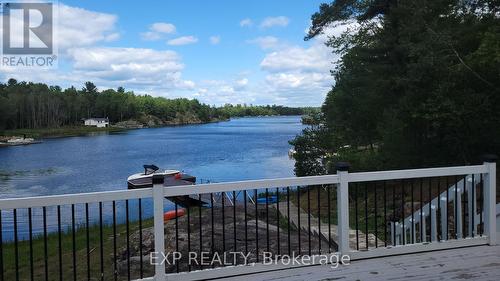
[{"x": 216, "y": 51}]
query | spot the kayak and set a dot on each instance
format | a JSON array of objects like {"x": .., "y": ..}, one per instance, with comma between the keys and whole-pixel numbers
[{"x": 172, "y": 215}]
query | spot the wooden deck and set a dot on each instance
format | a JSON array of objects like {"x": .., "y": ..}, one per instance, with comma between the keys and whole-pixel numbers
[{"x": 471, "y": 263}]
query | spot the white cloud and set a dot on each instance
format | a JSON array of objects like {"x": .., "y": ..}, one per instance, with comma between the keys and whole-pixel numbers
[
  {"x": 157, "y": 30},
  {"x": 150, "y": 36},
  {"x": 184, "y": 40},
  {"x": 130, "y": 67},
  {"x": 298, "y": 75},
  {"x": 78, "y": 27},
  {"x": 275, "y": 21},
  {"x": 246, "y": 22},
  {"x": 266, "y": 42},
  {"x": 242, "y": 82},
  {"x": 316, "y": 58},
  {"x": 214, "y": 40},
  {"x": 163, "y": 27}
]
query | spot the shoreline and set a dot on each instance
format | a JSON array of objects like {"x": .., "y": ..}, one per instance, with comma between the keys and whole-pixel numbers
[{"x": 34, "y": 136}]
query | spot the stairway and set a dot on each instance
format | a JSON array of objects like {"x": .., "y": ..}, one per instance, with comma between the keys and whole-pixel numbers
[
  {"x": 414, "y": 224},
  {"x": 322, "y": 229}
]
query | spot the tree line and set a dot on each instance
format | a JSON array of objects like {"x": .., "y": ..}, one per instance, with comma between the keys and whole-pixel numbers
[
  {"x": 417, "y": 84},
  {"x": 27, "y": 105}
]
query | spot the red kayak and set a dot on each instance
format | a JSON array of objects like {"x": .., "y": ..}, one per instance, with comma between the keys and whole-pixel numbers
[{"x": 172, "y": 215}]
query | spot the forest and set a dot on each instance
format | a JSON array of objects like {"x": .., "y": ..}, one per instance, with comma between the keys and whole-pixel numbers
[
  {"x": 417, "y": 85},
  {"x": 27, "y": 105}
]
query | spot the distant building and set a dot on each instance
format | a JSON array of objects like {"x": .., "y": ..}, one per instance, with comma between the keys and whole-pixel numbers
[{"x": 97, "y": 122}]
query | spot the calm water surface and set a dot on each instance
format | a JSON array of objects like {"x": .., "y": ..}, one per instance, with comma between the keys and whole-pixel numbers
[{"x": 241, "y": 149}]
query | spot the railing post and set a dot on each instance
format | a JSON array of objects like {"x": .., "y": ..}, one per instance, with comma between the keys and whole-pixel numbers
[
  {"x": 490, "y": 187},
  {"x": 159, "y": 227},
  {"x": 343, "y": 206}
]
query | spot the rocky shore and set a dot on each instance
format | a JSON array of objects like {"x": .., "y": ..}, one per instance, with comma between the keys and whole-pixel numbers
[
  {"x": 265, "y": 228},
  {"x": 149, "y": 121},
  {"x": 16, "y": 140}
]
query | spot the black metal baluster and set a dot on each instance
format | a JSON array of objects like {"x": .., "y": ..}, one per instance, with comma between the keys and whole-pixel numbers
[
  {"x": 288, "y": 217},
  {"x": 356, "y": 214},
  {"x": 438, "y": 211},
  {"x": 385, "y": 214},
  {"x": 1, "y": 248},
  {"x": 16, "y": 247},
  {"x": 201, "y": 229},
  {"x": 456, "y": 208},
  {"x": 115, "y": 265},
  {"x": 267, "y": 219},
  {"x": 188, "y": 210},
  {"x": 177, "y": 266},
  {"x": 421, "y": 210},
  {"x": 87, "y": 239},
  {"x": 366, "y": 215},
  {"x": 256, "y": 228},
  {"x": 45, "y": 246},
  {"x": 375, "y": 213},
  {"x": 298, "y": 219},
  {"x": 319, "y": 220},
  {"x": 447, "y": 204},
  {"x": 403, "y": 209},
  {"x": 127, "y": 222},
  {"x": 481, "y": 204},
  {"x": 141, "y": 269},
  {"x": 101, "y": 242},
  {"x": 73, "y": 229},
  {"x": 59, "y": 242},
  {"x": 246, "y": 220},
  {"x": 30, "y": 227},
  {"x": 464, "y": 208},
  {"x": 212, "y": 245},
  {"x": 309, "y": 217},
  {"x": 394, "y": 214},
  {"x": 329, "y": 219},
  {"x": 430, "y": 209},
  {"x": 223, "y": 224},
  {"x": 473, "y": 207},
  {"x": 278, "y": 218},
  {"x": 412, "y": 213},
  {"x": 234, "y": 222}
]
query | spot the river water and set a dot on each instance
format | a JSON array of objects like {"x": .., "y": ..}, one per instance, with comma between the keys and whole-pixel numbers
[{"x": 240, "y": 149}]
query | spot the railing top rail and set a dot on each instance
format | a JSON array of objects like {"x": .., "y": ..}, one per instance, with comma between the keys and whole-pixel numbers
[
  {"x": 417, "y": 173},
  {"x": 249, "y": 185},
  {"x": 93, "y": 197},
  {"x": 75, "y": 198}
]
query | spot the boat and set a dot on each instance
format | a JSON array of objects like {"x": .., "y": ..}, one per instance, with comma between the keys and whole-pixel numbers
[{"x": 172, "y": 177}]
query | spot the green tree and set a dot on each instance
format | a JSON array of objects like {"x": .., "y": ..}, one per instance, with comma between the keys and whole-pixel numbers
[{"x": 417, "y": 83}]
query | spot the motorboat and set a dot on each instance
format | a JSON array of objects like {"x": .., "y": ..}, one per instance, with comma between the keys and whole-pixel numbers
[{"x": 172, "y": 177}]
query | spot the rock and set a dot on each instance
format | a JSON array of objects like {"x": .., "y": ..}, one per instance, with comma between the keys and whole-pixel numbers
[
  {"x": 220, "y": 242},
  {"x": 129, "y": 124}
]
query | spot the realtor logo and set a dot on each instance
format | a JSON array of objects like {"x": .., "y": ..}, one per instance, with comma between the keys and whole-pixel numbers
[{"x": 28, "y": 34}]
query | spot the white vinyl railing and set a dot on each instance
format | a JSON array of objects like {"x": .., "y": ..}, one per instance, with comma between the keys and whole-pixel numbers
[
  {"x": 417, "y": 220},
  {"x": 342, "y": 180}
]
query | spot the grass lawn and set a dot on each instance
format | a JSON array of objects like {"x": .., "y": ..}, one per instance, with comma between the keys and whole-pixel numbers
[{"x": 67, "y": 254}]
